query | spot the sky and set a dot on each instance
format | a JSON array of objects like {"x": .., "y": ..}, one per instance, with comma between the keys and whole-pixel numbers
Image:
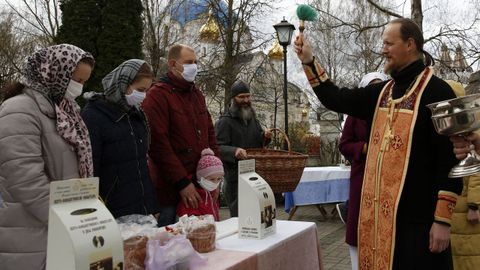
[
  {"x": 436, "y": 13},
  {"x": 453, "y": 12}
]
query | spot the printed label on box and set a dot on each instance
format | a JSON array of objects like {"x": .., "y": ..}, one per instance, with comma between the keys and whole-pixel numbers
[
  {"x": 82, "y": 233},
  {"x": 72, "y": 190}
]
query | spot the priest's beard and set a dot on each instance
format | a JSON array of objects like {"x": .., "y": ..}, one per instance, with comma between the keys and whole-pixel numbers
[
  {"x": 389, "y": 67},
  {"x": 244, "y": 110}
]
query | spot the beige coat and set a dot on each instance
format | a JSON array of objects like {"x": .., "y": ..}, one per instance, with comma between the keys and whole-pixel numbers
[
  {"x": 465, "y": 237},
  {"x": 32, "y": 154}
]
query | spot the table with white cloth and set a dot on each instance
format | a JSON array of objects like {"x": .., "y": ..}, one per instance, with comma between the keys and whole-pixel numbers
[
  {"x": 318, "y": 186},
  {"x": 293, "y": 246}
]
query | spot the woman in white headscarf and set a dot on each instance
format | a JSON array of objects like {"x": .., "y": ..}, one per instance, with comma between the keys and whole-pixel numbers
[
  {"x": 120, "y": 139},
  {"x": 42, "y": 139}
]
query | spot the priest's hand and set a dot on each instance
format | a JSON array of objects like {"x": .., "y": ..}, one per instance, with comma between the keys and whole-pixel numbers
[
  {"x": 439, "y": 237},
  {"x": 463, "y": 144},
  {"x": 303, "y": 49}
]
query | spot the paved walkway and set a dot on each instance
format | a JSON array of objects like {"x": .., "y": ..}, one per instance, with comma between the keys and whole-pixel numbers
[{"x": 331, "y": 234}]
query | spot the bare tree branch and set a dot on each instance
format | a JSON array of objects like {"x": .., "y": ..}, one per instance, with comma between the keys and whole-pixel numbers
[
  {"x": 34, "y": 15},
  {"x": 384, "y": 10}
]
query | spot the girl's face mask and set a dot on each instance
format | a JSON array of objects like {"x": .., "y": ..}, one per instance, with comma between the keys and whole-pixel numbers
[{"x": 209, "y": 185}]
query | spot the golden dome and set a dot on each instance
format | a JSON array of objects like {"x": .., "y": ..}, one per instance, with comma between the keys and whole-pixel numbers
[
  {"x": 276, "y": 51},
  {"x": 210, "y": 32}
]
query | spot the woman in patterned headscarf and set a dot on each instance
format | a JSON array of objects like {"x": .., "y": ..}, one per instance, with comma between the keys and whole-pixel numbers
[
  {"x": 42, "y": 139},
  {"x": 120, "y": 138}
]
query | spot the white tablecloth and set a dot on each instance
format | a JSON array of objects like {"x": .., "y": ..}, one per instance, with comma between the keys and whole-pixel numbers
[{"x": 293, "y": 246}]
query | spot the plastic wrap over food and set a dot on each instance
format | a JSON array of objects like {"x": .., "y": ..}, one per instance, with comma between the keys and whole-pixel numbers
[
  {"x": 193, "y": 223},
  {"x": 137, "y": 225},
  {"x": 172, "y": 253}
]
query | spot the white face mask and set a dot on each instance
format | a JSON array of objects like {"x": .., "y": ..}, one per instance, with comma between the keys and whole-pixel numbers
[
  {"x": 207, "y": 184},
  {"x": 189, "y": 72},
  {"x": 135, "y": 98},
  {"x": 74, "y": 89}
]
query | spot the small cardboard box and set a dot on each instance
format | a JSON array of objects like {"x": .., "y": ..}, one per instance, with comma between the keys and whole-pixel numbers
[
  {"x": 256, "y": 203},
  {"x": 82, "y": 233}
]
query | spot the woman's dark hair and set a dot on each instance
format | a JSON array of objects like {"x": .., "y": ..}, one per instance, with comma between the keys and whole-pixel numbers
[
  {"x": 145, "y": 71},
  {"x": 409, "y": 29},
  {"x": 89, "y": 61},
  {"x": 14, "y": 88}
]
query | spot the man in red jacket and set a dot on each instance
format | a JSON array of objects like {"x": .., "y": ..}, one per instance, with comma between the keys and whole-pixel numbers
[{"x": 181, "y": 128}]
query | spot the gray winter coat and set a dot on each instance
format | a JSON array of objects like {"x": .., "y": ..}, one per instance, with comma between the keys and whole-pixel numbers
[
  {"x": 232, "y": 133},
  {"x": 32, "y": 154}
]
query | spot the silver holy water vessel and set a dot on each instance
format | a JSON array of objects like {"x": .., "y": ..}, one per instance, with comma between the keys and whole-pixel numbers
[{"x": 459, "y": 116}]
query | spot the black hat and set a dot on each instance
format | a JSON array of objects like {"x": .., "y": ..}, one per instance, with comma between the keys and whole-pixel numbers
[{"x": 239, "y": 87}]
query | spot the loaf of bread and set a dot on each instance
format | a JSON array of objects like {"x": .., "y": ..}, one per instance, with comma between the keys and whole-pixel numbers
[
  {"x": 134, "y": 251},
  {"x": 203, "y": 237}
]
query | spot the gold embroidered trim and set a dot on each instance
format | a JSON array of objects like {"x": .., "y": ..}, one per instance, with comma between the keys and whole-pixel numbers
[
  {"x": 315, "y": 73},
  {"x": 445, "y": 205}
]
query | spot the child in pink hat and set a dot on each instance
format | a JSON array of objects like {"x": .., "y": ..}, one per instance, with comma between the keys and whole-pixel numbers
[{"x": 209, "y": 175}]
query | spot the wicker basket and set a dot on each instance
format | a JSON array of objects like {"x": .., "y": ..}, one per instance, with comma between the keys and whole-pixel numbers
[
  {"x": 203, "y": 238},
  {"x": 281, "y": 169}
]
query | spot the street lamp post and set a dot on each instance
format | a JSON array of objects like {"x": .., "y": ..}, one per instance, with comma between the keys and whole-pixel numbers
[{"x": 284, "y": 32}]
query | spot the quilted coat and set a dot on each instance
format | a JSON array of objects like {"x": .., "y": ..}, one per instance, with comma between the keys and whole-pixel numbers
[
  {"x": 465, "y": 237},
  {"x": 119, "y": 145},
  {"x": 32, "y": 155}
]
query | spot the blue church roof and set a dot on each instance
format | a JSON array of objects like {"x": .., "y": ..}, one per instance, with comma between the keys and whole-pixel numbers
[{"x": 184, "y": 11}]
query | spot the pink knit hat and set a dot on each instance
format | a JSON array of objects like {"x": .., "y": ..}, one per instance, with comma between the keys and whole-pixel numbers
[{"x": 208, "y": 164}]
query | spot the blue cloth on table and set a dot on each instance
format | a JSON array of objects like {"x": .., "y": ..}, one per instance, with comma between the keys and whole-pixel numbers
[{"x": 318, "y": 192}]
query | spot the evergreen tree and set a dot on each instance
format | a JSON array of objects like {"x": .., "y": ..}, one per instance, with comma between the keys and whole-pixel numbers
[
  {"x": 121, "y": 36},
  {"x": 81, "y": 26},
  {"x": 109, "y": 29}
]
